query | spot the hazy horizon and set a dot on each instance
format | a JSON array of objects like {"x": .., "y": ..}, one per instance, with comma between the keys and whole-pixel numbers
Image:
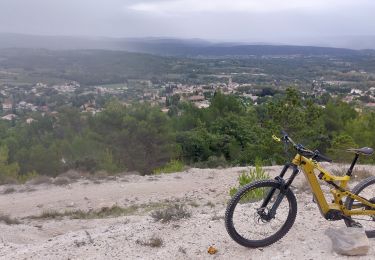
[{"x": 305, "y": 22}]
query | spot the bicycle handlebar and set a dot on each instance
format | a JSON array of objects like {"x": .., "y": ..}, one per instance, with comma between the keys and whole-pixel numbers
[
  {"x": 323, "y": 158},
  {"x": 315, "y": 155}
]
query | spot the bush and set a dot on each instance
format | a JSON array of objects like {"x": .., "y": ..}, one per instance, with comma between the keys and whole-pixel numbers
[
  {"x": 258, "y": 173},
  {"x": 86, "y": 164},
  {"x": 108, "y": 163},
  {"x": 172, "y": 166},
  {"x": 72, "y": 175},
  {"x": 23, "y": 178},
  {"x": 213, "y": 162},
  {"x": 338, "y": 151},
  {"x": 8, "y": 171}
]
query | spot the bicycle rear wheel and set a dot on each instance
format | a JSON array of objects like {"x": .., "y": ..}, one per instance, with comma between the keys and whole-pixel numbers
[
  {"x": 249, "y": 223},
  {"x": 365, "y": 189}
]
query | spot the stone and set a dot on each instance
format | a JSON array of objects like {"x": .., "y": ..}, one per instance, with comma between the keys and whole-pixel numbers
[{"x": 350, "y": 241}]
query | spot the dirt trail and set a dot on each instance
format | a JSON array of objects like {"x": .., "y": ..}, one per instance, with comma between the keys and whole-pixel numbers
[{"x": 203, "y": 191}]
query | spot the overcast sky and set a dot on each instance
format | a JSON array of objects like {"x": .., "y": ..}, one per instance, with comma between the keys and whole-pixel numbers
[{"x": 233, "y": 20}]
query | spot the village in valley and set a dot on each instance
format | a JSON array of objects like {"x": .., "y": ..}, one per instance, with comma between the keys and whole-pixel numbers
[{"x": 20, "y": 102}]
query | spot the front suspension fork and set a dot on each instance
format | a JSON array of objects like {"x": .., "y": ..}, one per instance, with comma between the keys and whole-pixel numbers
[{"x": 284, "y": 186}]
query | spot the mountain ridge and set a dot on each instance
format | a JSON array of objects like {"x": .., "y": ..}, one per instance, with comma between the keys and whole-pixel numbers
[{"x": 166, "y": 46}]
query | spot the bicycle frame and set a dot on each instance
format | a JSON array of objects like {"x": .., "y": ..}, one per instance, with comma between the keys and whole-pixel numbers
[{"x": 339, "y": 191}]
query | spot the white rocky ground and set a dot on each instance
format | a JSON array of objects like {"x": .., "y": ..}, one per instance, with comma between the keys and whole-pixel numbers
[{"x": 205, "y": 193}]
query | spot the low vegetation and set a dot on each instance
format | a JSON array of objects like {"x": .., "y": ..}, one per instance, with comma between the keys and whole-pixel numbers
[
  {"x": 171, "y": 213},
  {"x": 154, "y": 241},
  {"x": 9, "y": 190},
  {"x": 359, "y": 173},
  {"x": 113, "y": 211},
  {"x": 139, "y": 137},
  {"x": 9, "y": 220},
  {"x": 104, "y": 212},
  {"x": 258, "y": 173},
  {"x": 170, "y": 167}
]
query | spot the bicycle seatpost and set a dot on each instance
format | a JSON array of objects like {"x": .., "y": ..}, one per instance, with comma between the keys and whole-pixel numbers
[{"x": 350, "y": 170}]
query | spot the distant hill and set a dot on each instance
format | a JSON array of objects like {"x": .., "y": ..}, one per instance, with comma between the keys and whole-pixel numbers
[{"x": 160, "y": 46}]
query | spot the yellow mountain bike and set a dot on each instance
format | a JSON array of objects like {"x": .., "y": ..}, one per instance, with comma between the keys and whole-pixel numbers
[{"x": 262, "y": 212}]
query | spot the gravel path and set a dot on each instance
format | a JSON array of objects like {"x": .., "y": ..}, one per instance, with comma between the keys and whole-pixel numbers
[{"x": 204, "y": 192}]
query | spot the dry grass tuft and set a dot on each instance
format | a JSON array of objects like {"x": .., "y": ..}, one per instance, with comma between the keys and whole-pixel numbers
[
  {"x": 72, "y": 175},
  {"x": 210, "y": 204},
  {"x": 216, "y": 217},
  {"x": 9, "y": 220},
  {"x": 49, "y": 214},
  {"x": 154, "y": 241},
  {"x": 171, "y": 213},
  {"x": 9, "y": 190},
  {"x": 194, "y": 204},
  {"x": 182, "y": 250},
  {"x": 42, "y": 179},
  {"x": 361, "y": 173},
  {"x": 61, "y": 181},
  {"x": 104, "y": 212}
]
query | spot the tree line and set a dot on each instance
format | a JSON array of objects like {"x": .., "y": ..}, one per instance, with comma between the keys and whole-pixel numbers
[{"x": 139, "y": 137}]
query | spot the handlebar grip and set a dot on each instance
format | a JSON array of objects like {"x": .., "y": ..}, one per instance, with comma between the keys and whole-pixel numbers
[{"x": 324, "y": 158}]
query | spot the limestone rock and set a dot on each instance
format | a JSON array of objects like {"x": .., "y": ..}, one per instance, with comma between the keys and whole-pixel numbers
[{"x": 349, "y": 240}]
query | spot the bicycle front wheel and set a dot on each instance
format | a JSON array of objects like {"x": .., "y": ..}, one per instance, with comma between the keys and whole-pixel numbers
[
  {"x": 250, "y": 221},
  {"x": 365, "y": 189}
]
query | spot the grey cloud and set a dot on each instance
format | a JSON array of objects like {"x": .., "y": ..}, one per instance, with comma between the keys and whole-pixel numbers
[{"x": 116, "y": 18}]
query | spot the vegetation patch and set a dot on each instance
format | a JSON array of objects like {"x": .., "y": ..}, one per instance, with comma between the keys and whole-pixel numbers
[
  {"x": 9, "y": 220},
  {"x": 216, "y": 217},
  {"x": 172, "y": 166},
  {"x": 258, "y": 173},
  {"x": 61, "y": 181},
  {"x": 213, "y": 162},
  {"x": 210, "y": 204},
  {"x": 9, "y": 190},
  {"x": 41, "y": 179},
  {"x": 154, "y": 241},
  {"x": 104, "y": 212},
  {"x": 359, "y": 173},
  {"x": 171, "y": 213},
  {"x": 72, "y": 174},
  {"x": 194, "y": 204}
]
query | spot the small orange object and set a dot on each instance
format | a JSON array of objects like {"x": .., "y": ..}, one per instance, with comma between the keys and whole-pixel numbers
[{"x": 212, "y": 250}]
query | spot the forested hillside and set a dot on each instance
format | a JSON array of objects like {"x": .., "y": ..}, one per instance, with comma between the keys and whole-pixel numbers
[{"x": 139, "y": 137}]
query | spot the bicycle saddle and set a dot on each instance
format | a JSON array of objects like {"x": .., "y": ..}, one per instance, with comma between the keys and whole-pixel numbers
[{"x": 363, "y": 150}]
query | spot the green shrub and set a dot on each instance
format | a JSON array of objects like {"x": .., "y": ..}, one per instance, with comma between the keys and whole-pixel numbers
[
  {"x": 172, "y": 166},
  {"x": 108, "y": 163},
  {"x": 337, "y": 152},
  {"x": 8, "y": 171},
  {"x": 212, "y": 162},
  {"x": 258, "y": 173},
  {"x": 23, "y": 178}
]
